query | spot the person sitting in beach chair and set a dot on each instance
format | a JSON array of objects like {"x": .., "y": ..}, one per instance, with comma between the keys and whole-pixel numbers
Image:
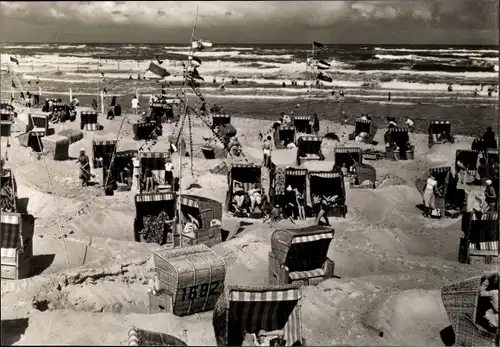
[
  {"x": 291, "y": 207},
  {"x": 238, "y": 197},
  {"x": 300, "y": 204},
  {"x": 488, "y": 296},
  {"x": 326, "y": 204},
  {"x": 149, "y": 181},
  {"x": 190, "y": 227},
  {"x": 255, "y": 197},
  {"x": 462, "y": 172}
]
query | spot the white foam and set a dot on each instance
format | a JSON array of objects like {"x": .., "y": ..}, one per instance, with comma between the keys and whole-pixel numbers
[{"x": 446, "y": 50}]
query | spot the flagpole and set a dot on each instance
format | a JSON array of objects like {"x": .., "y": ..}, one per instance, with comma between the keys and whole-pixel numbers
[
  {"x": 311, "y": 81},
  {"x": 179, "y": 212}
]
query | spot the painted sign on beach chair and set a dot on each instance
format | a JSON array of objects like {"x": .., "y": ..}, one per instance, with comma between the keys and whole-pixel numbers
[
  {"x": 468, "y": 310},
  {"x": 154, "y": 161},
  {"x": 348, "y": 156},
  {"x": 141, "y": 337},
  {"x": 285, "y": 135},
  {"x": 88, "y": 120},
  {"x": 208, "y": 214},
  {"x": 479, "y": 239},
  {"x": 302, "y": 124},
  {"x": 241, "y": 178},
  {"x": 309, "y": 148},
  {"x": 144, "y": 130},
  {"x": 102, "y": 151},
  {"x": 440, "y": 132},
  {"x": 250, "y": 309},
  {"x": 152, "y": 204},
  {"x": 300, "y": 255},
  {"x": 190, "y": 280},
  {"x": 327, "y": 184},
  {"x": 466, "y": 164},
  {"x": 16, "y": 244}
]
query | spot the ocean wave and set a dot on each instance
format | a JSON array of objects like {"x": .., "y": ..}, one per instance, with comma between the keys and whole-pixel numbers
[
  {"x": 407, "y": 57},
  {"x": 446, "y": 50}
]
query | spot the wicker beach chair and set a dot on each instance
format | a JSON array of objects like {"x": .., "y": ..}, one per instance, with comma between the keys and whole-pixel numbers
[
  {"x": 327, "y": 183},
  {"x": 448, "y": 191},
  {"x": 400, "y": 137},
  {"x": 282, "y": 177},
  {"x": 286, "y": 135},
  {"x": 247, "y": 174},
  {"x": 364, "y": 126},
  {"x": 144, "y": 130},
  {"x": 162, "y": 112},
  {"x": 348, "y": 156},
  {"x": 156, "y": 162},
  {"x": 479, "y": 239},
  {"x": 205, "y": 211},
  {"x": 437, "y": 128},
  {"x": 6, "y": 105},
  {"x": 16, "y": 239},
  {"x": 220, "y": 119},
  {"x": 252, "y": 308},
  {"x": 6, "y": 115},
  {"x": 300, "y": 255},
  {"x": 469, "y": 158},
  {"x": 151, "y": 204},
  {"x": 302, "y": 124},
  {"x": 102, "y": 149},
  {"x": 141, "y": 337},
  {"x": 88, "y": 120},
  {"x": 121, "y": 160},
  {"x": 465, "y": 311},
  {"x": 309, "y": 148}
]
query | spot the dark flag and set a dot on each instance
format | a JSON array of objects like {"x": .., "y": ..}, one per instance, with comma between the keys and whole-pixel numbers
[
  {"x": 324, "y": 77},
  {"x": 13, "y": 84},
  {"x": 158, "y": 60},
  {"x": 158, "y": 70},
  {"x": 195, "y": 61},
  {"x": 322, "y": 65},
  {"x": 14, "y": 60},
  {"x": 319, "y": 45}
]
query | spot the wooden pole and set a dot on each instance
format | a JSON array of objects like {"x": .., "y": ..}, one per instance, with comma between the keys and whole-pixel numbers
[
  {"x": 102, "y": 102},
  {"x": 70, "y": 94}
]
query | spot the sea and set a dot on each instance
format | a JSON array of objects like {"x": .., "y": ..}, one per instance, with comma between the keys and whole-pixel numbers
[{"x": 266, "y": 69}]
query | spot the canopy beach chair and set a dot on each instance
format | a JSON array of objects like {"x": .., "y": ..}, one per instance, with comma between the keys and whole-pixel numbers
[
  {"x": 284, "y": 135},
  {"x": 328, "y": 184},
  {"x": 466, "y": 309},
  {"x": 348, "y": 156},
  {"x": 300, "y": 255},
  {"x": 102, "y": 151},
  {"x": 122, "y": 167},
  {"x": 152, "y": 204},
  {"x": 162, "y": 112},
  {"x": 479, "y": 239},
  {"x": 245, "y": 174},
  {"x": 141, "y": 337},
  {"x": 439, "y": 131},
  {"x": 398, "y": 137},
  {"x": 249, "y": 309},
  {"x": 302, "y": 124},
  {"x": 144, "y": 130},
  {"x": 154, "y": 161},
  {"x": 16, "y": 234},
  {"x": 309, "y": 148},
  {"x": 282, "y": 177},
  {"x": 469, "y": 160},
  {"x": 364, "y": 126},
  {"x": 88, "y": 120}
]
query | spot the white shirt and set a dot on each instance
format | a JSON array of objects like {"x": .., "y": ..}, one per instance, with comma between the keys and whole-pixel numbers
[
  {"x": 169, "y": 166},
  {"x": 135, "y": 103},
  {"x": 409, "y": 122},
  {"x": 393, "y": 123},
  {"x": 431, "y": 183},
  {"x": 364, "y": 118},
  {"x": 136, "y": 162}
]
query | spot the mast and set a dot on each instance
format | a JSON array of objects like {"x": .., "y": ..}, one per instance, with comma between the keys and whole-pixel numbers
[
  {"x": 311, "y": 80},
  {"x": 179, "y": 212}
]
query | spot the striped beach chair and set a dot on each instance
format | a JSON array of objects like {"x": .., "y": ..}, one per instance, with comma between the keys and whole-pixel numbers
[
  {"x": 6, "y": 105},
  {"x": 151, "y": 204},
  {"x": 88, "y": 120},
  {"x": 16, "y": 244},
  {"x": 246, "y": 174},
  {"x": 141, "y": 337},
  {"x": 35, "y": 139},
  {"x": 479, "y": 239},
  {"x": 469, "y": 158},
  {"x": 220, "y": 119},
  {"x": 144, "y": 130},
  {"x": 102, "y": 149},
  {"x": 302, "y": 124},
  {"x": 437, "y": 128},
  {"x": 206, "y": 211},
  {"x": 466, "y": 309},
  {"x": 249, "y": 309},
  {"x": 38, "y": 122},
  {"x": 155, "y": 161},
  {"x": 283, "y": 177},
  {"x": 286, "y": 135},
  {"x": 162, "y": 112},
  {"x": 300, "y": 255},
  {"x": 6, "y": 115},
  {"x": 309, "y": 148},
  {"x": 327, "y": 183},
  {"x": 348, "y": 155}
]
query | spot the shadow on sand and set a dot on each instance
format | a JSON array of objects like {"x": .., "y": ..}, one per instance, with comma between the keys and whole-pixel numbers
[
  {"x": 41, "y": 262},
  {"x": 12, "y": 329}
]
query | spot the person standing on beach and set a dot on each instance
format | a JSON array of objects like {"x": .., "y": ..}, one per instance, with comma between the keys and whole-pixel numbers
[
  {"x": 430, "y": 191},
  {"x": 136, "y": 163},
  {"x": 135, "y": 104},
  {"x": 84, "y": 168},
  {"x": 266, "y": 148},
  {"x": 490, "y": 197},
  {"x": 410, "y": 124},
  {"x": 314, "y": 122},
  {"x": 389, "y": 97}
]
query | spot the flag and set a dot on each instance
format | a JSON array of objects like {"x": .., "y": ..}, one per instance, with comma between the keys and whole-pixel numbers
[
  {"x": 157, "y": 72},
  {"x": 37, "y": 81},
  {"x": 158, "y": 60},
  {"x": 13, "y": 84},
  {"x": 14, "y": 60},
  {"x": 322, "y": 65},
  {"x": 324, "y": 77},
  {"x": 201, "y": 44},
  {"x": 195, "y": 74},
  {"x": 319, "y": 45},
  {"x": 195, "y": 61}
]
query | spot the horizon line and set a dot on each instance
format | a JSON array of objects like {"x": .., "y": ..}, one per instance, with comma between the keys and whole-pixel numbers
[{"x": 254, "y": 43}]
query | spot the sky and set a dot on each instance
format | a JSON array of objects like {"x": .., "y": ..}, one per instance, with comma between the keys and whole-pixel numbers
[{"x": 450, "y": 22}]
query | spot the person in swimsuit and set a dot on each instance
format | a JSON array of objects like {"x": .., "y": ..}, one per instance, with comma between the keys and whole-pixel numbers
[{"x": 266, "y": 148}]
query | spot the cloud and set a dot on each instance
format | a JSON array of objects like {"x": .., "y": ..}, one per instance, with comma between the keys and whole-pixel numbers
[{"x": 264, "y": 18}]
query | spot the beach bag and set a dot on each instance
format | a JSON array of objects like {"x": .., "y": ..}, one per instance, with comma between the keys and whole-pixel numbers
[{"x": 436, "y": 213}]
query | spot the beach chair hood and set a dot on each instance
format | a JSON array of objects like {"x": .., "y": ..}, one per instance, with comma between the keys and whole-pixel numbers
[
  {"x": 348, "y": 155},
  {"x": 365, "y": 172},
  {"x": 362, "y": 126},
  {"x": 303, "y": 252},
  {"x": 141, "y": 337},
  {"x": 16, "y": 229},
  {"x": 245, "y": 173},
  {"x": 302, "y": 124},
  {"x": 242, "y": 308},
  {"x": 397, "y": 135},
  {"x": 461, "y": 301},
  {"x": 467, "y": 157},
  {"x": 439, "y": 126},
  {"x": 207, "y": 209},
  {"x": 309, "y": 144},
  {"x": 220, "y": 119},
  {"x": 156, "y": 162},
  {"x": 327, "y": 183}
]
